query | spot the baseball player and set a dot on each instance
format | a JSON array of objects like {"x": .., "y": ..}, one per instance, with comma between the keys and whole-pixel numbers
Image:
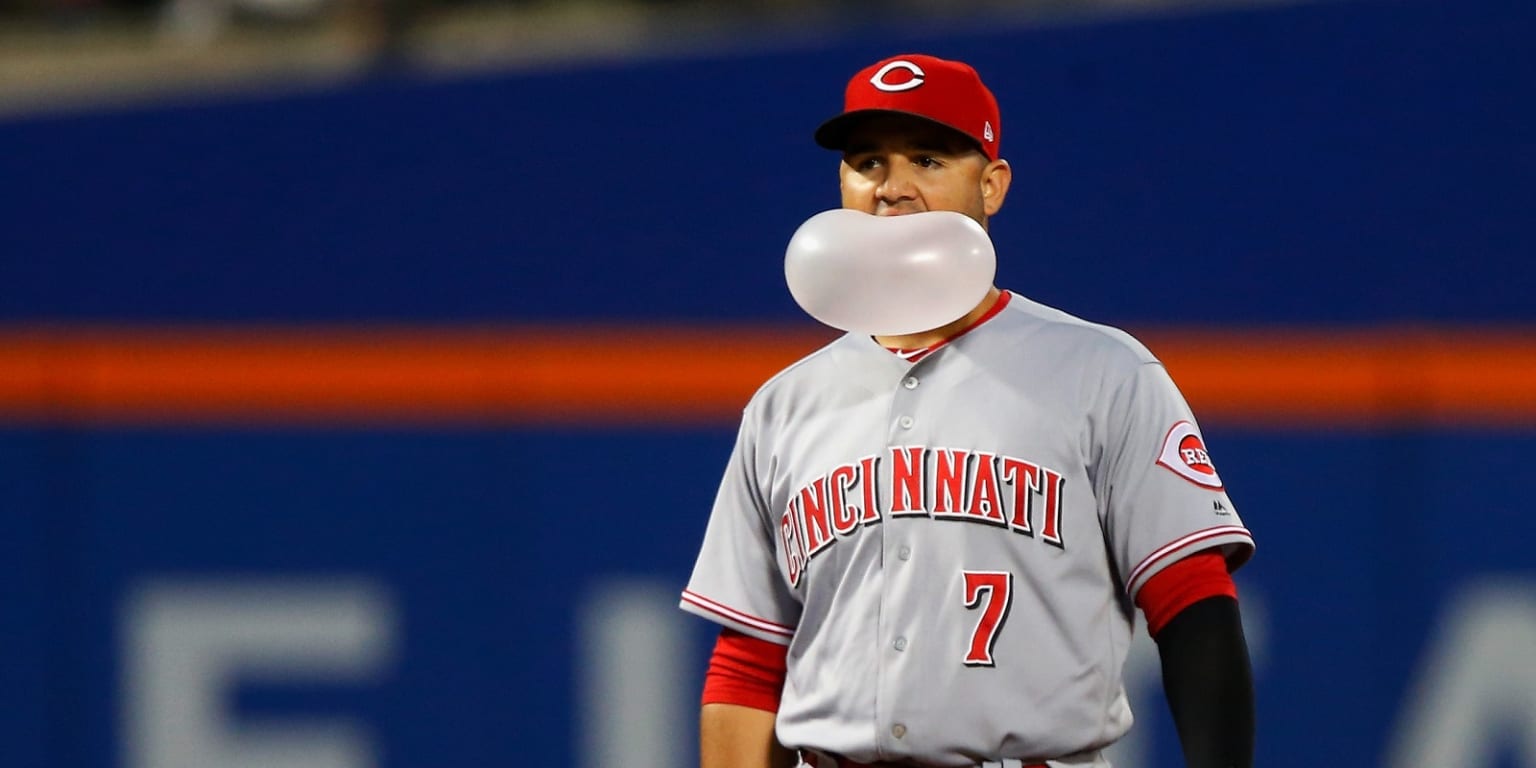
[{"x": 928, "y": 549}]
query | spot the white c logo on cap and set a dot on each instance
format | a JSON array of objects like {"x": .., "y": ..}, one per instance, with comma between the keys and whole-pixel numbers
[{"x": 878, "y": 80}]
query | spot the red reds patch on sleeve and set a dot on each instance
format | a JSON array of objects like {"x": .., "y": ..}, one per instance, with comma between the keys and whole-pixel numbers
[{"x": 1184, "y": 453}]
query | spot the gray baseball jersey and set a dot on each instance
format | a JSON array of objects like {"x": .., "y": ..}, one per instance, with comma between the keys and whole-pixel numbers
[{"x": 951, "y": 548}]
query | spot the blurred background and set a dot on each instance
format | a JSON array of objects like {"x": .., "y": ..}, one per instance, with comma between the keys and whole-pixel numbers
[{"x": 367, "y": 367}]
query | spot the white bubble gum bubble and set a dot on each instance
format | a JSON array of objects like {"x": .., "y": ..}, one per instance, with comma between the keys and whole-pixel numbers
[{"x": 889, "y": 275}]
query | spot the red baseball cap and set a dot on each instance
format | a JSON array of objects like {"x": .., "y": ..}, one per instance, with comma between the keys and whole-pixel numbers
[{"x": 949, "y": 93}]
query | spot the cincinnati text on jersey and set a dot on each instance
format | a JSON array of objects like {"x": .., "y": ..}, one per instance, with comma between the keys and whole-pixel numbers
[{"x": 940, "y": 483}]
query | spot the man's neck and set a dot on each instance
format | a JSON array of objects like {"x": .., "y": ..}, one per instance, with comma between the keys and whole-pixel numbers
[{"x": 946, "y": 331}]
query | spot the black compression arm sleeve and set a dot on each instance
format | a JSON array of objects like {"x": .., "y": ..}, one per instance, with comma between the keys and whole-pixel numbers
[{"x": 1209, "y": 684}]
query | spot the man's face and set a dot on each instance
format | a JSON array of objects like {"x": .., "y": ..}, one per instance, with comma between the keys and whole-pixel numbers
[{"x": 896, "y": 164}]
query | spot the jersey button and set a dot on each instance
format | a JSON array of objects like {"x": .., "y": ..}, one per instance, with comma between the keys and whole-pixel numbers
[
  {"x": 900, "y": 644},
  {"x": 905, "y": 553},
  {"x": 905, "y": 422},
  {"x": 898, "y": 730},
  {"x": 909, "y": 382}
]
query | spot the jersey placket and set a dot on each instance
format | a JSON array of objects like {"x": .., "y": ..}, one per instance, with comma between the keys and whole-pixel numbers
[{"x": 895, "y": 632}]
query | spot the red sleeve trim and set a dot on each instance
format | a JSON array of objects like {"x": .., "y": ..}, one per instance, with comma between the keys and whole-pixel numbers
[
  {"x": 1172, "y": 547},
  {"x": 746, "y": 619},
  {"x": 1182, "y": 584},
  {"x": 745, "y": 671}
]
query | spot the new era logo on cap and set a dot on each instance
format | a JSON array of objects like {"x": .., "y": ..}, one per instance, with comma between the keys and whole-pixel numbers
[{"x": 947, "y": 92}]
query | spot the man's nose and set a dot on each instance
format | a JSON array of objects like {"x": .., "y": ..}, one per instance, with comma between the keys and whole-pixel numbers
[{"x": 897, "y": 184}]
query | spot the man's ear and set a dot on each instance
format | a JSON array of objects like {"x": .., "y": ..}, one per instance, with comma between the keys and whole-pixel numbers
[{"x": 995, "y": 179}]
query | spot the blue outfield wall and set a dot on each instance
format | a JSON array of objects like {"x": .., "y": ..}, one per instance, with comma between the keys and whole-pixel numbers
[
  {"x": 488, "y": 545},
  {"x": 397, "y": 596},
  {"x": 1325, "y": 162}
]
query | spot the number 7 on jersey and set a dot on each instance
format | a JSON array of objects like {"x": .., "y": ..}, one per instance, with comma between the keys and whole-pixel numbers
[{"x": 992, "y": 591}]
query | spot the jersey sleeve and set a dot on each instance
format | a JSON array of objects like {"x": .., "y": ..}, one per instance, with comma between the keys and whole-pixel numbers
[
  {"x": 1162, "y": 498},
  {"x": 736, "y": 580}
]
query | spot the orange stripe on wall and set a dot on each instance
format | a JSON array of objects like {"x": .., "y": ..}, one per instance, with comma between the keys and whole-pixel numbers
[
  {"x": 1280, "y": 378},
  {"x": 390, "y": 375},
  {"x": 650, "y": 376}
]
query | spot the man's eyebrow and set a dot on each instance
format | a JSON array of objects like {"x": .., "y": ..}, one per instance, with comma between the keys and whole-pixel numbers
[{"x": 941, "y": 144}]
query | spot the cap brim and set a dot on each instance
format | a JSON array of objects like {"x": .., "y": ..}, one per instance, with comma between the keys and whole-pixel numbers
[{"x": 833, "y": 134}]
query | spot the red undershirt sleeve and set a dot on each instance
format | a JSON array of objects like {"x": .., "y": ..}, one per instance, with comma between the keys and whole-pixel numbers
[
  {"x": 746, "y": 671},
  {"x": 1186, "y": 582}
]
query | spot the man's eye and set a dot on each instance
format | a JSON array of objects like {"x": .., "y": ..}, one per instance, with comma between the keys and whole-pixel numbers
[
  {"x": 866, "y": 163},
  {"x": 929, "y": 161}
]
